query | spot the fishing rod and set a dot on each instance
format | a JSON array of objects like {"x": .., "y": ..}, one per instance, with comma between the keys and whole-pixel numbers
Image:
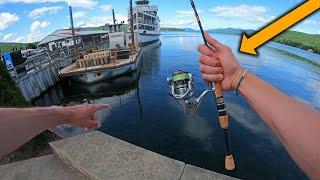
[{"x": 223, "y": 117}]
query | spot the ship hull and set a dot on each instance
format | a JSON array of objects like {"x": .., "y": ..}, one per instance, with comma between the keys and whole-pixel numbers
[
  {"x": 146, "y": 39},
  {"x": 110, "y": 73}
]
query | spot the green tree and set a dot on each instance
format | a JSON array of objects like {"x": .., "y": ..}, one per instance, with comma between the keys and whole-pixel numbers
[
  {"x": 31, "y": 46},
  {"x": 10, "y": 94}
]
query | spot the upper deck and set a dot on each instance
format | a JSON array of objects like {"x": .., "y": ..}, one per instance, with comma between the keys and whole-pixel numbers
[{"x": 142, "y": 2}]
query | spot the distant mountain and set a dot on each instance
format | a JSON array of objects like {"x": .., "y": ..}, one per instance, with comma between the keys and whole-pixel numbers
[
  {"x": 232, "y": 31},
  {"x": 309, "y": 42},
  {"x": 171, "y": 29},
  {"x": 190, "y": 30}
]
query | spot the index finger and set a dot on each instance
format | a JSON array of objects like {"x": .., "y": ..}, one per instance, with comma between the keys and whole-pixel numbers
[
  {"x": 203, "y": 49},
  {"x": 98, "y": 107}
]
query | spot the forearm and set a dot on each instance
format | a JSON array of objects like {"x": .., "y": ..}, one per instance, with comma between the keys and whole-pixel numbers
[
  {"x": 17, "y": 126},
  {"x": 295, "y": 124}
]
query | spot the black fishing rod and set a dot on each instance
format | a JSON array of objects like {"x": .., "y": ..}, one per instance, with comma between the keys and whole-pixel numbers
[{"x": 223, "y": 117}]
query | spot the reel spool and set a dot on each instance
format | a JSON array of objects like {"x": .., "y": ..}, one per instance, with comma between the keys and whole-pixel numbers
[{"x": 182, "y": 88}]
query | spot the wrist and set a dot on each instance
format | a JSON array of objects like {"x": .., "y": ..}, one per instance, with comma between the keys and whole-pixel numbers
[
  {"x": 63, "y": 114},
  {"x": 236, "y": 78}
]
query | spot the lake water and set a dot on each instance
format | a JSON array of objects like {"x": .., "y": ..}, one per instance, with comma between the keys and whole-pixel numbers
[{"x": 144, "y": 114}]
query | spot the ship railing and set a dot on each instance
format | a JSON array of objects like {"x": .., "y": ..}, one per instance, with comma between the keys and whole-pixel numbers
[
  {"x": 153, "y": 7},
  {"x": 115, "y": 57},
  {"x": 148, "y": 23},
  {"x": 144, "y": 8},
  {"x": 68, "y": 52}
]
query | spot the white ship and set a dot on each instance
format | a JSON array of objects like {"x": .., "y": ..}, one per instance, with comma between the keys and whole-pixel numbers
[{"x": 146, "y": 22}]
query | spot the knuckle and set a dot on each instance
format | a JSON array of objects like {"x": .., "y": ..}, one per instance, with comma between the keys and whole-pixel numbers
[
  {"x": 201, "y": 68},
  {"x": 200, "y": 58},
  {"x": 205, "y": 77},
  {"x": 219, "y": 70},
  {"x": 200, "y": 47}
]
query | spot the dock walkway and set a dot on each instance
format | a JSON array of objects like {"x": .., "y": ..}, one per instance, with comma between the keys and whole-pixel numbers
[{"x": 100, "y": 156}]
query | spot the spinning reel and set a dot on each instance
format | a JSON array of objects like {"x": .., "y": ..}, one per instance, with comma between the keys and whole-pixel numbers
[{"x": 182, "y": 88}]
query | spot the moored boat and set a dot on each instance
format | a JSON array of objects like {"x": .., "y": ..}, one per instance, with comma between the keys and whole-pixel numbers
[
  {"x": 146, "y": 22},
  {"x": 103, "y": 64},
  {"x": 122, "y": 56}
]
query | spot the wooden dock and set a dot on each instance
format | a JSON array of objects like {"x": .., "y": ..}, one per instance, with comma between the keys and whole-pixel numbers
[
  {"x": 38, "y": 81},
  {"x": 41, "y": 73}
]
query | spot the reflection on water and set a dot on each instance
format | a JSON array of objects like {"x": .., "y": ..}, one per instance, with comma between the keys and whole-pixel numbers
[{"x": 144, "y": 114}]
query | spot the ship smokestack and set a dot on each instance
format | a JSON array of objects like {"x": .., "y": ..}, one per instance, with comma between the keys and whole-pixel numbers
[
  {"x": 131, "y": 24},
  {"x": 114, "y": 17},
  {"x": 73, "y": 33}
]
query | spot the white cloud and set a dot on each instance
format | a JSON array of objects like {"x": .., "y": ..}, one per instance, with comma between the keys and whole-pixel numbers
[
  {"x": 101, "y": 20},
  {"x": 79, "y": 14},
  {"x": 88, "y": 4},
  {"x": 36, "y": 25},
  {"x": 187, "y": 13},
  {"x": 20, "y": 39},
  {"x": 34, "y": 36},
  {"x": 9, "y": 37},
  {"x": 75, "y": 3},
  {"x": 79, "y": 24},
  {"x": 36, "y": 13},
  {"x": 310, "y": 22},
  {"x": 106, "y": 7},
  {"x": 12, "y": 37},
  {"x": 181, "y": 23},
  {"x": 245, "y": 12},
  {"x": 7, "y": 19}
]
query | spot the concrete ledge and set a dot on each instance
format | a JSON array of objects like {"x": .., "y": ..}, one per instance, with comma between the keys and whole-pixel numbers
[
  {"x": 44, "y": 168},
  {"x": 99, "y": 156}
]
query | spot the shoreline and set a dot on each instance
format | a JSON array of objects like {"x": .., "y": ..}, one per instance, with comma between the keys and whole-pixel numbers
[{"x": 312, "y": 57}]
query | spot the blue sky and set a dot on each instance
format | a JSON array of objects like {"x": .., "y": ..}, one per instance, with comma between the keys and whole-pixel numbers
[{"x": 31, "y": 20}]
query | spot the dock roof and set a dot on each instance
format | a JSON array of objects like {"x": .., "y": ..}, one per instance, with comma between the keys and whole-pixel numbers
[{"x": 67, "y": 33}]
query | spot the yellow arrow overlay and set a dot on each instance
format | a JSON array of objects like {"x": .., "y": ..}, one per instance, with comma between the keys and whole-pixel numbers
[{"x": 249, "y": 45}]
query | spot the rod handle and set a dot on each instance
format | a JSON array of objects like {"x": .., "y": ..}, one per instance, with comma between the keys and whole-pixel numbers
[
  {"x": 224, "y": 121},
  {"x": 229, "y": 163},
  {"x": 218, "y": 91}
]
